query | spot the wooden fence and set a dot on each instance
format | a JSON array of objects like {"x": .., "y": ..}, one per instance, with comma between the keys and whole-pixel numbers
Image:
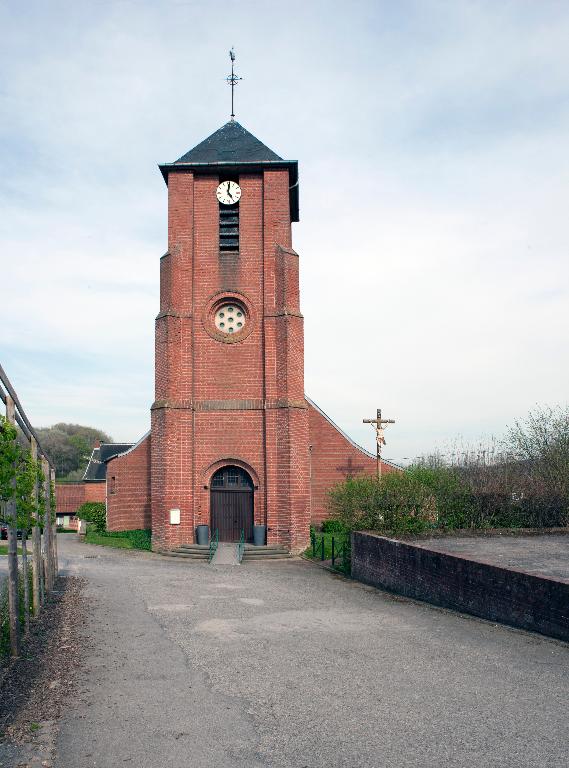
[{"x": 44, "y": 542}]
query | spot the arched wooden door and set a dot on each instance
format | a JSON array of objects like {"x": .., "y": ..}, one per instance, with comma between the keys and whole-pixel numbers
[{"x": 232, "y": 504}]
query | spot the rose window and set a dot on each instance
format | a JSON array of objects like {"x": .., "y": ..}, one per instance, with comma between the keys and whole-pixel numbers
[{"x": 230, "y": 318}]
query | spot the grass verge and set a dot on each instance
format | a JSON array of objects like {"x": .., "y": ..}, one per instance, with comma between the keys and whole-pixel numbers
[
  {"x": 138, "y": 539},
  {"x": 4, "y": 549}
]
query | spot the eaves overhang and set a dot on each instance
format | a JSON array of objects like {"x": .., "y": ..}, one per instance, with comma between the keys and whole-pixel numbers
[{"x": 238, "y": 166}]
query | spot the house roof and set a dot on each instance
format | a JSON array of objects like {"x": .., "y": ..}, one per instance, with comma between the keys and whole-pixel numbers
[
  {"x": 96, "y": 468},
  {"x": 233, "y": 148},
  {"x": 131, "y": 448}
]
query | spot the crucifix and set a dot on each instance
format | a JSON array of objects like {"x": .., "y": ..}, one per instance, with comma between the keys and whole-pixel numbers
[
  {"x": 379, "y": 436},
  {"x": 232, "y": 79}
]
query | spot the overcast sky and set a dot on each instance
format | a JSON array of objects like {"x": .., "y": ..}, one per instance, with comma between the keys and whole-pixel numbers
[{"x": 432, "y": 140}]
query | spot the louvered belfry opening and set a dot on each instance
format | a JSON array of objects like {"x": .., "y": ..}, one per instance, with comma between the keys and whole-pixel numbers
[{"x": 229, "y": 222}]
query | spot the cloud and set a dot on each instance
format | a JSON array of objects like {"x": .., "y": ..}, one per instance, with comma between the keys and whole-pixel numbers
[{"x": 432, "y": 140}]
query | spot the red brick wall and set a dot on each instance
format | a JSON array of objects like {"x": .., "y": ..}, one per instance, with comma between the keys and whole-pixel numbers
[
  {"x": 128, "y": 489},
  {"x": 332, "y": 459},
  {"x": 95, "y": 492},
  {"x": 230, "y": 402},
  {"x": 70, "y": 496}
]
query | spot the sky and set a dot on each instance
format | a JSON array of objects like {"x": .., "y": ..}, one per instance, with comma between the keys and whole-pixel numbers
[{"x": 433, "y": 147}]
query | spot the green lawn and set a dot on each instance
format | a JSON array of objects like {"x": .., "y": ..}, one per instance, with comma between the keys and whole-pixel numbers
[
  {"x": 138, "y": 539},
  {"x": 108, "y": 541},
  {"x": 4, "y": 549}
]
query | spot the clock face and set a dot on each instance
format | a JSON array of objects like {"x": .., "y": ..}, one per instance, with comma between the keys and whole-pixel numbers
[{"x": 228, "y": 192}]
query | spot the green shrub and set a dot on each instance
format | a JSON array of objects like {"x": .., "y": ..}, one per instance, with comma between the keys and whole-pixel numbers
[
  {"x": 423, "y": 498},
  {"x": 94, "y": 512},
  {"x": 414, "y": 501},
  {"x": 334, "y": 526}
]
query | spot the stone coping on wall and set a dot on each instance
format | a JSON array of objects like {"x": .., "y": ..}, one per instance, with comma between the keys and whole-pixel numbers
[
  {"x": 467, "y": 533},
  {"x": 464, "y": 583}
]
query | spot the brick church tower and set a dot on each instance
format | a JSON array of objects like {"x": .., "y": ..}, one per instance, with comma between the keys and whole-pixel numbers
[
  {"x": 234, "y": 441},
  {"x": 230, "y": 413}
]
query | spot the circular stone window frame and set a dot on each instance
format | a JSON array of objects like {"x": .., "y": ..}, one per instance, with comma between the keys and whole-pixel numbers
[{"x": 213, "y": 306}]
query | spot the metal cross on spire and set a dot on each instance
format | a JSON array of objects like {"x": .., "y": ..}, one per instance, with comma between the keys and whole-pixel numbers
[{"x": 232, "y": 79}]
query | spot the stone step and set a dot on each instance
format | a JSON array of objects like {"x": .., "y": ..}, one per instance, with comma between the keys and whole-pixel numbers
[
  {"x": 251, "y": 552},
  {"x": 260, "y": 553},
  {"x": 192, "y": 548},
  {"x": 201, "y": 554}
]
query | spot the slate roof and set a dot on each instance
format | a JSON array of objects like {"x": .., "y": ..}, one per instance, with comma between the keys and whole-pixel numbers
[
  {"x": 96, "y": 468},
  {"x": 230, "y": 143},
  {"x": 234, "y": 148}
]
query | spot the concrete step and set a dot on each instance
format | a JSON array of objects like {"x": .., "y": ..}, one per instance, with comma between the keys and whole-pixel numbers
[
  {"x": 265, "y": 553},
  {"x": 251, "y": 552},
  {"x": 192, "y": 548},
  {"x": 189, "y": 553}
]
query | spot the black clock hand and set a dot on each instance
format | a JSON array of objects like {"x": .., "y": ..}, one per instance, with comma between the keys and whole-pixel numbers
[{"x": 228, "y": 192}]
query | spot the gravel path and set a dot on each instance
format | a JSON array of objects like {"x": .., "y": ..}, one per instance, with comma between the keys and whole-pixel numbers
[{"x": 283, "y": 664}]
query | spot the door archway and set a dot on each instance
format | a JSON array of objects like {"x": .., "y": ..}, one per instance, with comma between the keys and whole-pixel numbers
[{"x": 231, "y": 503}]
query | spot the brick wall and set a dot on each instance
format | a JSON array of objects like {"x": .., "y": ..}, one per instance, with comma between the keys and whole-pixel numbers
[
  {"x": 128, "y": 489},
  {"x": 70, "y": 496},
  {"x": 233, "y": 400},
  {"x": 333, "y": 458},
  {"x": 497, "y": 594}
]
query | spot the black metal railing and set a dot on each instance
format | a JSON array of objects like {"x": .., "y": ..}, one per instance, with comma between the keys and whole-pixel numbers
[
  {"x": 335, "y": 549},
  {"x": 213, "y": 545},
  {"x": 241, "y": 547}
]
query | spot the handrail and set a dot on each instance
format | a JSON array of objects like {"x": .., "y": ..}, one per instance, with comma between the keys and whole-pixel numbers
[
  {"x": 241, "y": 546},
  {"x": 213, "y": 544}
]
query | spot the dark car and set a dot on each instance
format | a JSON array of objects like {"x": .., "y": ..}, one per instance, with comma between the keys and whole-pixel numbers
[{"x": 4, "y": 531}]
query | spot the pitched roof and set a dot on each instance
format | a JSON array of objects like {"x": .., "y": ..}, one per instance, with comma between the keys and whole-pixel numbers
[
  {"x": 230, "y": 143},
  {"x": 97, "y": 468},
  {"x": 233, "y": 148}
]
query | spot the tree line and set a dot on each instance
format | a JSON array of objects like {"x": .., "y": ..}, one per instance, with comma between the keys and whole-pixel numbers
[{"x": 69, "y": 446}]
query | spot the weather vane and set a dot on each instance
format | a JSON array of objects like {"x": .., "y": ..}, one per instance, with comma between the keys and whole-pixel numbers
[{"x": 232, "y": 80}]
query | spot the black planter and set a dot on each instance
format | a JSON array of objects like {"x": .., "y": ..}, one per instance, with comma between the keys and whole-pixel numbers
[
  {"x": 202, "y": 535},
  {"x": 259, "y": 535}
]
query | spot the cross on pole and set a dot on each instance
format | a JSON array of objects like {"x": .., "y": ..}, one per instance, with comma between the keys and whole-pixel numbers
[{"x": 379, "y": 436}]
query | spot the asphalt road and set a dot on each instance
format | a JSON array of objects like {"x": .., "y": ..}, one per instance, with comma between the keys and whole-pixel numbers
[{"x": 283, "y": 664}]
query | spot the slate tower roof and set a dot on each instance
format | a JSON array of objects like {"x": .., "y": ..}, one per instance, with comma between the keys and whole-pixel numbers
[
  {"x": 234, "y": 148},
  {"x": 230, "y": 143}
]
